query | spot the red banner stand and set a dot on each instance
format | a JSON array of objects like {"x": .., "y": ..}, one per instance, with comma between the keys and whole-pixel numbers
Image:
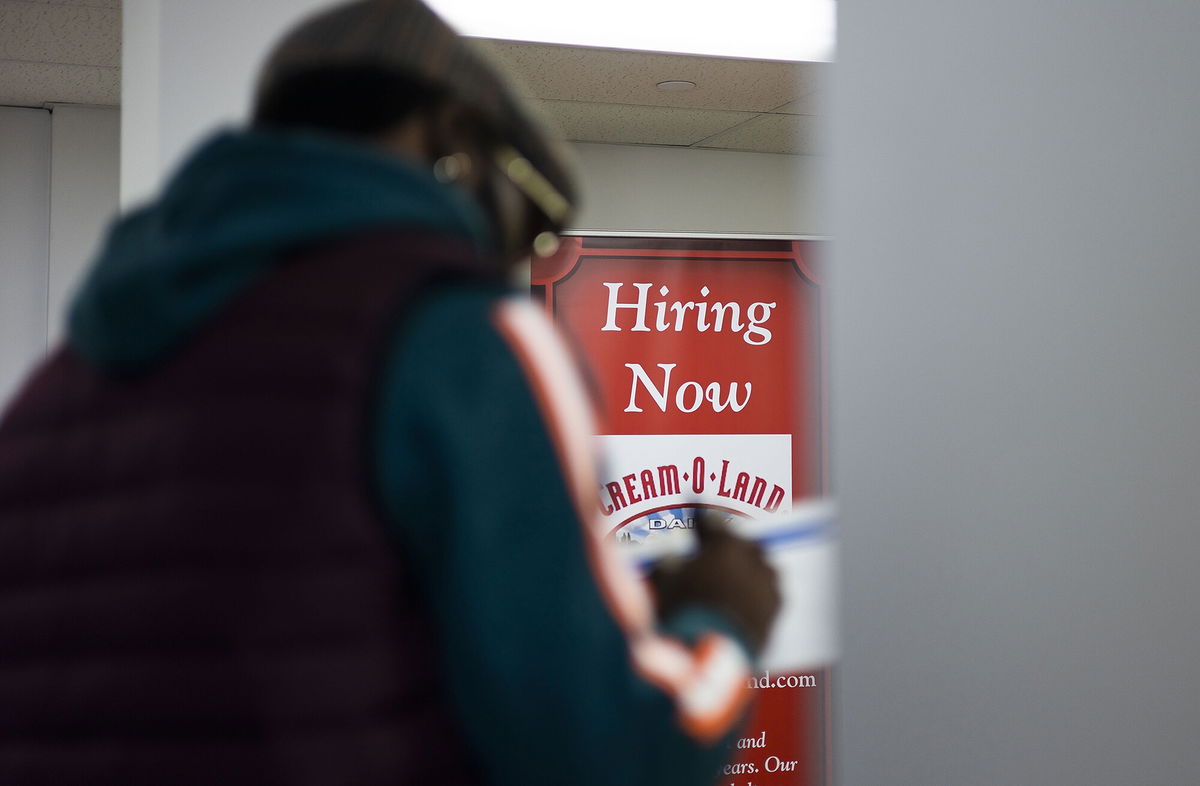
[{"x": 694, "y": 339}]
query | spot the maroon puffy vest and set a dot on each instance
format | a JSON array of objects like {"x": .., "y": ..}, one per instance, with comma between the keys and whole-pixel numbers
[{"x": 195, "y": 583}]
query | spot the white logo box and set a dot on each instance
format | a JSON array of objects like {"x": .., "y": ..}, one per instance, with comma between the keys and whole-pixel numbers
[{"x": 797, "y": 536}]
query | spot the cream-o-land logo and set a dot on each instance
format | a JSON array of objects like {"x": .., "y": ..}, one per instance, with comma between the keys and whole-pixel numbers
[{"x": 653, "y": 483}]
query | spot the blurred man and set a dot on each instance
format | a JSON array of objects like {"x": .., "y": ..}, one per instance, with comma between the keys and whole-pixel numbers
[{"x": 306, "y": 496}]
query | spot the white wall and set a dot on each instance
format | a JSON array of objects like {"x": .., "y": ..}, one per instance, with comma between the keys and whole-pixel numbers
[
  {"x": 24, "y": 241},
  {"x": 1016, "y": 391},
  {"x": 668, "y": 189},
  {"x": 187, "y": 69},
  {"x": 58, "y": 191},
  {"x": 84, "y": 171}
]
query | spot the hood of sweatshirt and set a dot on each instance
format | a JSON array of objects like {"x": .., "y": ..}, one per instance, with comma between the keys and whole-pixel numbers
[{"x": 238, "y": 204}]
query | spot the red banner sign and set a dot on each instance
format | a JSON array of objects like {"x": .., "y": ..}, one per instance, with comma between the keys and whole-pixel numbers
[{"x": 706, "y": 355}]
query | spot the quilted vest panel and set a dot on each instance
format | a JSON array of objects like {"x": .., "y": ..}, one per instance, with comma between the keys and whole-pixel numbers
[{"x": 195, "y": 586}]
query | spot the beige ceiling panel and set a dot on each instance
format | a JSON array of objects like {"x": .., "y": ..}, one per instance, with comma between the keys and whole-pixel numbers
[
  {"x": 625, "y": 124},
  {"x": 34, "y": 84},
  {"x": 54, "y": 33},
  {"x": 624, "y": 77},
  {"x": 813, "y": 77},
  {"x": 811, "y": 104},
  {"x": 92, "y": 3},
  {"x": 794, "y": 134}
]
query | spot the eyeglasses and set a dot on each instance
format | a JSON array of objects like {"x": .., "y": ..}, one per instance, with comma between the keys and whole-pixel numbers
[
  {"x": 539, "y": 191},
  {"x": 533, "y": 185}
]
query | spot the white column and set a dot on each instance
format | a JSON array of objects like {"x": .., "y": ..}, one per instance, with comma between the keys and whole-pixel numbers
[
  {"x": 24, "y": 241},
  {"x": 187, "y": 68},
  {"x": 140, "y": 104},
  {"x": 1016, "y": 391}
]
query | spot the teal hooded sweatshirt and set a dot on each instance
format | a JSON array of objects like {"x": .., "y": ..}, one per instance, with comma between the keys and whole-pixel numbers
[{"x": 473, "y": 494}]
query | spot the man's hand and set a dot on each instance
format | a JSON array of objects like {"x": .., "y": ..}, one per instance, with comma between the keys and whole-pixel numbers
[{"x": 728, "y": 574}]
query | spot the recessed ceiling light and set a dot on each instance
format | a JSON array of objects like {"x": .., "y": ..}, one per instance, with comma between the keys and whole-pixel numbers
[{"x": 675, "y": 85}]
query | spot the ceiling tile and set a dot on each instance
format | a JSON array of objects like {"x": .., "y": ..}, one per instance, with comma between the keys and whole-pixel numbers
[
  {"x": 811, "y": 104},
  {"x": 813, "y": 77},
  {"x": 54, "y": 33},
  {"x": 35, "y": 84},
  {"x": 793, "y": 134},
  {"x": 626, "y": 124},
  {"x": 93, "y": 3},
  {"x": 624, "y": 77}
]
